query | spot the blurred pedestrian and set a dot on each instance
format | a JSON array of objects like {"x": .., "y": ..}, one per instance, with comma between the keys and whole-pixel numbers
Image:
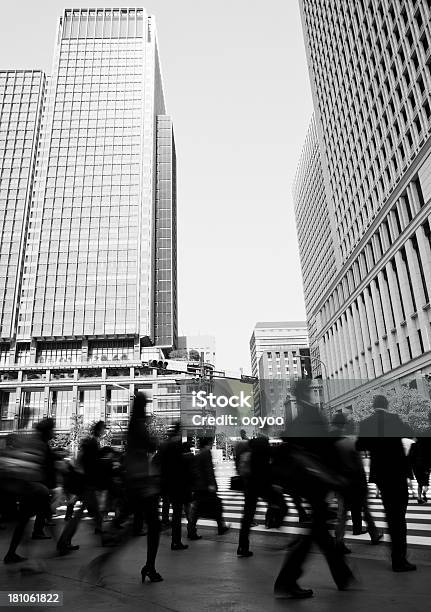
[
  {"x": 310, "y": 463},
  {"x": 89, "y": 463},
  {"x": 353, "y": 497},
  {"x": 174, "y": 481},
  {"x": 206, "y": 501},
  {"x": 381, "y": 434}
]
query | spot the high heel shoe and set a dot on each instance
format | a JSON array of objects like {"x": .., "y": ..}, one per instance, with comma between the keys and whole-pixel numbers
[{"x": 151, "y": 573}]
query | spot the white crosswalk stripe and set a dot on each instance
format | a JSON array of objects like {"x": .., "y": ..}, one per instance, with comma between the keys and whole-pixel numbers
[{"x": 418, "y": 516}]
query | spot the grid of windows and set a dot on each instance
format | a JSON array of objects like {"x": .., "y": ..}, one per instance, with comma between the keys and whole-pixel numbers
[
  {"x": 371, "y": 137},
  {"x": 313, "y": 219},
  {"x": 371, "y": 73},
  {"x": 165, "y": 223},
  {"x": 90, "y": 247},
  {"x": 21, "y": 94}
]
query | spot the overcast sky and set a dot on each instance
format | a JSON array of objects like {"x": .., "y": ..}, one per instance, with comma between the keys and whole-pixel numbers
[{"x": 236, "y": 85}]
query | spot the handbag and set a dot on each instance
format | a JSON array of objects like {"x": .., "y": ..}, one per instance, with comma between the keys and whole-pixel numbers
[{"x": 236, "y": 483}]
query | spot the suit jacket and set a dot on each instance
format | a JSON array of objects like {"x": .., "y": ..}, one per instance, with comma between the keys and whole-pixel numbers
[
  {"x": 204, "y": 471},
  {"x": 381, "y": 434}
]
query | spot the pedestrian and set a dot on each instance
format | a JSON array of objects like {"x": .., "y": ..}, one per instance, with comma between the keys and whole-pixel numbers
[
  {"x": 89, "y": 463},
  {"x": 310, "y": 473},
  {"x": 381, "y": 434},
  {"x": 24, "y": 473},
  {"x": 257, "y": 481},
  {"x": 420, "y": 458},
  {"x": 174, "y": 481},
  {"x": 142, "y": 479},
  {"x": 354, "y": 495},
  {"x": 206, "y": 501}
]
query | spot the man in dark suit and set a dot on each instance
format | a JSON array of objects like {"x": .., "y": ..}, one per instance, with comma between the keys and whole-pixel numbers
[{"x": 381, "y": 434}]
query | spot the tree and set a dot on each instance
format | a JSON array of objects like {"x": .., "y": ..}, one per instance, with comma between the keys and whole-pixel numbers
[
  {"x": 194, "y": 355},
  {"x": 409, "y": 404},
  {"x": 178, "y": 354}
]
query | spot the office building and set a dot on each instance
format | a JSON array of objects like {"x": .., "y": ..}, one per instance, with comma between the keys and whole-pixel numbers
[
  {"x": 370, "y": 71},
  {"x": 276, "y": 349},
  {"x": 312, "y": 219},
  {"x": 94, "y": 194}
]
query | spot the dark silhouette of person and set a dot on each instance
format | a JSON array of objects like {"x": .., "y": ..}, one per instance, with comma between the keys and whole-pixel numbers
[
  {"x": 27, "y": 480},
  {"x": 206, "y": 501},
  {"x": 174, "y": 481},
  {"x": 91, "y": 468},
  {"x": 310, "y": 445},
  {"x": 381, "y": 434},
  {"x": 354, "y": 496},
  {"x": 142, "y": 477},
  {"x": 257, "y": 483},
  {"x": 420, "y": 459}
]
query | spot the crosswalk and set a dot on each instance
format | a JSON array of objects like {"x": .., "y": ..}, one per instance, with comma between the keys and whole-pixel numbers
[{"x": 418, "y": 516}]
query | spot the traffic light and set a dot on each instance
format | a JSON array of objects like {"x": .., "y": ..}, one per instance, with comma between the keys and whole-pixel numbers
[{"x": 159, "y": 365}]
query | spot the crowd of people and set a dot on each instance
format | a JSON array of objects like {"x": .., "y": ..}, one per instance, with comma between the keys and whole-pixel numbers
[{"x": 315, "y": 463}]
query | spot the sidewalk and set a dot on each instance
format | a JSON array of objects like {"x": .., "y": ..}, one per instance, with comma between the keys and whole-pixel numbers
[{"x": 209, "y": 577}]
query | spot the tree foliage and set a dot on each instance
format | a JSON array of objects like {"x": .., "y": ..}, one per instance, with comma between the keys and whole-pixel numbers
[{"x": 411, "y": 406}]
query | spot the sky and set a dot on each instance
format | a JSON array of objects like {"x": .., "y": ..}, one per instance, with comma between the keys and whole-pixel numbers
[{"x": 236, "y": 84}]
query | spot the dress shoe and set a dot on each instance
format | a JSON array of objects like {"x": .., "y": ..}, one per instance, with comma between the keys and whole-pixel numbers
[
  {"x": 376, "y": 537},
  {"x": 153, "y": 576},
  {"x": 224, "y": 529},
  {"x": 194, "y": 537},
  {"x": 294, "y": 592},
  {"x": 179, "y": 546},
  {"x": 359, "y": 531},
  {"x": 243, "y": 552},
  {"x": 405, "y": 566},
  {"x": 65, "y": 549}
]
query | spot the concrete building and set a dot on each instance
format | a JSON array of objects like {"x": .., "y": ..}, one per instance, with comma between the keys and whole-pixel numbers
[
  {"x": 90, "y": 224},
  {"x": 370, "y": 71},
  {"x": 313, "y": 219},
  {"x": 276, "y": 349}
]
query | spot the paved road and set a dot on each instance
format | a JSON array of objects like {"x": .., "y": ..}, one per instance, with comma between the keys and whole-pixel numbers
[
  {"x": 418, "y": 517},
  {"x": 209, "y": 577}
]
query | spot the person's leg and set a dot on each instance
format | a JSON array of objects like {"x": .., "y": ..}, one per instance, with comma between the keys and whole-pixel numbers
[
  {"x": 91, "y": 502},
  {"x": 302, "y": 514},
  {"x": 340, "y": 526},
  {"x": 291, "y": 569},
  {"x": 177, "y": 511},
  {"x": 151, "y": 511},
  {"x": 165, "y": 510},
  {"x": 218, "y": 506},
  {"x": 395, "y": 500},
  {"x": 250, "y": 502},
  {"x": 193, "y": 519},
  {"x": 39, "y": 524},
  {"x": 334, "y": 556}
]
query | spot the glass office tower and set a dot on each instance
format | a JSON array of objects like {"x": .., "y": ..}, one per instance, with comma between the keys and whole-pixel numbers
[{"x": 98, "y": 254}]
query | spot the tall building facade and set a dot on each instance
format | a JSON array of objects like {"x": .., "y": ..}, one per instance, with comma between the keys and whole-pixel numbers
[
  {"x": 93, "y": 221},
  {"x": 279, "y": 355},
  {"x": 317, "y": 256},
  {"x": 370, "y": 71}
]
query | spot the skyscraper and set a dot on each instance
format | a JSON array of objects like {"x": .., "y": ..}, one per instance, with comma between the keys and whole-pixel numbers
[
  {"x": 312, "y": 219},
  {"x": 370, "y": 71},
  {"x": 97, "y": 249}
]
